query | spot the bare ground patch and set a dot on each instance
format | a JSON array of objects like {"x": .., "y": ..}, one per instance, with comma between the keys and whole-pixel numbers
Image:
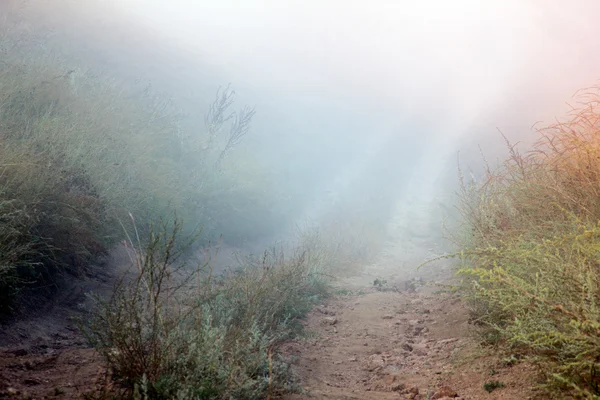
[{"x": 407, "y": 345}]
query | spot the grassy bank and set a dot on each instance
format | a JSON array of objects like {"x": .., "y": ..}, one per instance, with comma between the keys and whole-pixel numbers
[
  {"x": 81, "y": 149},
  {"x": 531, "y": 251}
]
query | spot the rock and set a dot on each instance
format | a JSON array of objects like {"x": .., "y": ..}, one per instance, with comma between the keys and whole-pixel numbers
[
  {"x": 20, "y": 352},
  {"x": 330, "y": 321},
  {"x": 324, "y": 310},
  {"x": 420, "y": 350},
  {"x": 387, "y": 316},
  {"x": 444, "y": 392},
  {"x": 446, "y": 341},
  {"x": 398, "y": 387},
  {"x": 412, "y": 391},
  {"x": 407, "y": 347}
]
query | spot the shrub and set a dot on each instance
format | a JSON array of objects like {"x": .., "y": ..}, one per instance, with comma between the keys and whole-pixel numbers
[
  {"x": 170, "y": 331},
  {"x": 530, "y": 263}
]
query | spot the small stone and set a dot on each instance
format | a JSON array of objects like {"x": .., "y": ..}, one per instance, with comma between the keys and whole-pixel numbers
[
  {"x": 387, "y": 316},
  {"x": 330, "y": 320},
  {"x": 413, "y": 390},
  {"x": 20, "y": 352},
  {"x": 397, "y": 387},
  {"x": 444, "y": 392}
]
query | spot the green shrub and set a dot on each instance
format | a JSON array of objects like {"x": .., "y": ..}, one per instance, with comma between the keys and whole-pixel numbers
[
  {"x": 531, "y": 263},
  {"x": 171, "y": 331}
]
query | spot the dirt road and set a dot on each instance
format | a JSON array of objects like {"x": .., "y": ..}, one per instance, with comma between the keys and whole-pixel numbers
[{"x": 398, "y": 332}]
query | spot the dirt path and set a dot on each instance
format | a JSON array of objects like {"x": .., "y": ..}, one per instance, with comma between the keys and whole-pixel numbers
[
  {"x": 406, "y": 338},
  {"x": 410, "y": 345}
]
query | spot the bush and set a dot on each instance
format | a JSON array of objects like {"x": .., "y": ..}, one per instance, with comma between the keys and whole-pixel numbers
[
  {"x": 174, "y": 332},
  {"x": 531, "y": 259}
]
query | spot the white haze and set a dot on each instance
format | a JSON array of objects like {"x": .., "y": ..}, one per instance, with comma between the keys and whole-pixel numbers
[
  {"x": 403, "y": 84},
  {"x": 445, "y": 66}
]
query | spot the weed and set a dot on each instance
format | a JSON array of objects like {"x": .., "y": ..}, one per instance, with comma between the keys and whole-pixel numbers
[
  {"x": 492, "y": 385},
  {"x": 510, "y": 361},
  {"x": 343, "y": 292},
  {"x": 379, "y": 283}
]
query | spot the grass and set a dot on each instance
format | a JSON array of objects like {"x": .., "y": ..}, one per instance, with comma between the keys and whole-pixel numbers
[
  {"x": 492, "y": 385},
  {"x": 81, "y": 149},
  {"x": 530, "y": 251},
  {"x": 175, "y": 331}
]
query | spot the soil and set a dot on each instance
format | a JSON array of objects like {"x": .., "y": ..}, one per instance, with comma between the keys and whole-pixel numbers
[
  {"x": 384, "y": 344},
  {"x": 397, "y": 330},
  {"x": 43, "y": 354}
]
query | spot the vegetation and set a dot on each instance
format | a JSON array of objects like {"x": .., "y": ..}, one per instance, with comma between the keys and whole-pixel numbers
[
  {"x": 81, "y": 149},
  {"x": 531, "y": 254},
  {"x": 492, "y": 385},
  {"x": 81, "y": 153},
  {"x": 174, "y": 332}
]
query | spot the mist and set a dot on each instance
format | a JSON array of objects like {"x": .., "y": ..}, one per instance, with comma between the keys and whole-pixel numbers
[
  {"x": 353, "y": 99},
  {"x": 243, "y": 199}
]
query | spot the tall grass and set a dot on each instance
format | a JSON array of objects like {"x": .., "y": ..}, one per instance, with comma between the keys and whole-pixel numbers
[
  {"x": 81, "y": 149},
  {"x": 172, "y": 331},
  {"x": 531, "y": 258}
]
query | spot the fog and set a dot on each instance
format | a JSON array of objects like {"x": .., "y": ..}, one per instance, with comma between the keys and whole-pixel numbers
[
  {"x": 352, "y": 97},
  {"x": 370, "y": 71}
]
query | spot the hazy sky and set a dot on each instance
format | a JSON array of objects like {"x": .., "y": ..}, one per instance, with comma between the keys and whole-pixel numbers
[
  {"x": 458, "y": 62},
  {"x": 459, "y": 58},
  {"x": 432, "y": 72}
]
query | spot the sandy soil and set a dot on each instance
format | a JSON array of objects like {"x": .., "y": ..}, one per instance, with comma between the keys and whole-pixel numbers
[
  {"x": 409, "y": 338},
  {"x": 400, "y": 345}
]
